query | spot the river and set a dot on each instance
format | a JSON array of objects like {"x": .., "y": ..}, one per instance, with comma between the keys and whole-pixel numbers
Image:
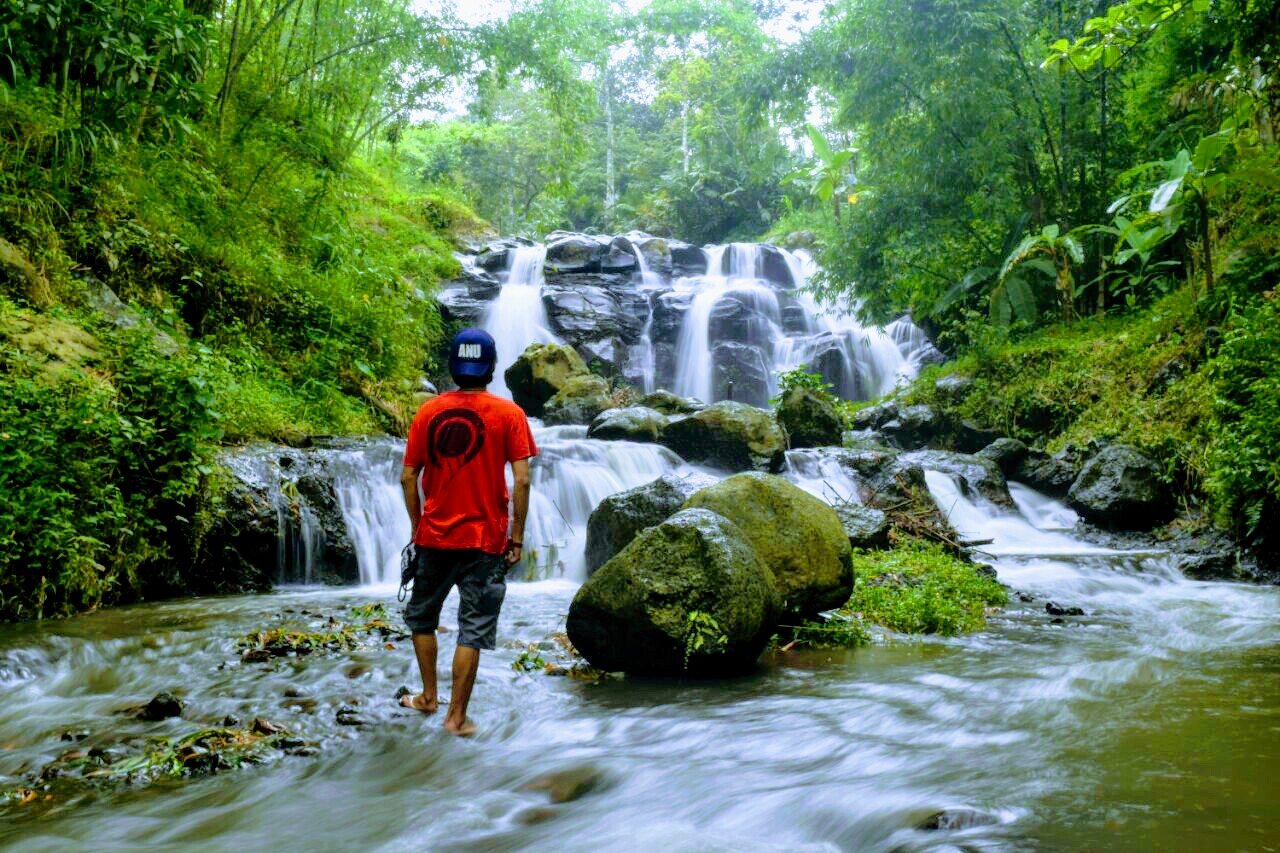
[{"x": 1151, "y": 722}]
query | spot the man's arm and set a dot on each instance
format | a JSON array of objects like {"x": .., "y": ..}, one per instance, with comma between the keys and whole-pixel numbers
[
  {"x": 409, "y": 482},
  {"x": 520, "y": 507}
]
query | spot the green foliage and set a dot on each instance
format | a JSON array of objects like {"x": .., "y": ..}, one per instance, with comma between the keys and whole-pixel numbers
[
  {"x": 801, "y": 377},
  {"x": 919, "y": 588},
  {"x": 703, "y": 635},
  {"x": 101, "y": 469},
  {"x": 1245, "y": 461},
  {"x": 842, "y": 630},
  {"x": 530, "y": 660}
]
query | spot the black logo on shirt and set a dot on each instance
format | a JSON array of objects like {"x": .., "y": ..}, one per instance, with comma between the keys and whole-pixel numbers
[{"x": 455, "y": 434}]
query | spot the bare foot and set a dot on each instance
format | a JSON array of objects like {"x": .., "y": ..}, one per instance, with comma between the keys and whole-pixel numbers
[
  {"x": 467, "y": 729},
  {"x": 419, "y": 702}
]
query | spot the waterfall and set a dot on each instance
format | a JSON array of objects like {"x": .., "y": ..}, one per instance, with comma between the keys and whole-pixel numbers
[
  {"x": 367, "y": 483},
  {"x": 517, "y": 318}
]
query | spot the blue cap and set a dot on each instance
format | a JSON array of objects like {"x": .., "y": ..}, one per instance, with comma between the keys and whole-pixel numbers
[{"x": 472, "y": 353}]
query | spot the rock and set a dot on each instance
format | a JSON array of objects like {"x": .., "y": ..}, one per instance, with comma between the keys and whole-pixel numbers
[
  {"x": 336, "y": 563},
  {"x": 956, "y": 819},
  {"x": 656, "y": 251},
  {"x": 590, "y": 313},
  {"x": 1052, "y": 475},
  {"x": 874, "y": 417},
  {"x": 968, "y": 437},
  {"x": 728, "y": 435},
  {"x": 15, "y": 267},
  {"x": 799, "y": 538},
  {"x": 976, "y": 475},
  {"x": 161, "y": 707},
  {"x": 75, "y": 735},
  {"x": 1120, "y": 487},
  {"x": 619, "y": 257},
  {"x": 913, "y": 427},
  {"x": 540, "y": 372},
  {"x": 735, "y": 318},
  {"x": 954, "y": 388},
  {"x": 1053, "y": 608},
  {"x": 575, "y": 253},
  {"x": 740, "y": 372},
  {"x": 800, "y": 240},
  {"x": 1008, "y": 453},
  {"x": 809, "y": 419},
  {"x": 671, "y": 404},
  {"x": 579, "y": 401},
  {"x": 634, "y": 423},
  {"x": 606, "y": 357},
  {"x": 866, "y": 527},
  {"x": 669, "y": 310},
  {"x": 619, "y": 517},
  {"x": 496, "y": 255},
  {"x": 348, "y": 716},
  {"x": 238, "y": 554},
  {"x": 565, "y": 786},
  {"x": 686, "y": 259},
  {"x": 689, "y": 595}
]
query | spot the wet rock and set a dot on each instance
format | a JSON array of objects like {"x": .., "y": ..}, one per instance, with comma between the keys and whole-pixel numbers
[
  {"x": 875, "y": 417},
  {"x": 619, "y": 257},
  {"x": 1053, "y": 608},
  {"x": 575, "y": 253},
  {"x": 579, "y": 401},
  {"x": 565, "y": 786},
  {"x": 303, "y": 751},
  {"x": 634, "y": 423},
  {"x": 728, "y": 435},
  {"x": 956, "y": 819},
  {"x": 256, "y": 656},
  {"x": 162, "y": 707},
  {"x": 1025, "y": 597},
  {"x": 800, "y": 240},
  {"x": 75, "y": 735},
  {"x": 866, "y": 527},
  {"x": 290, "y": 742},
  {"x": 809, "y": 419},
  {"x": 1052, "y": 475},
  {"x": 969, "y": 437},
  {"x": 635, "y": 614},
  {"x": 741, "y": 372},
  {"x": 671, "y": 404},
  {"x": 656, "y": 251},
  {"x": 605, "y": 357},
  {"x": 584, "y": 312},
  {"x": 686, "y": 259},
  {"x": 261, "y": 726},
  {"x": 337, "y": 563},
  {"x": 669, "y": 310},
  {"x": 495, "y": 255},
  {"x": 797, "y": 537},
  {"x": 295, "y": 693},
  {"x": 986, "y": 569},
  {"x": 540, "y": 372},
  {"x": 1120, "y": 487},
  {"x": 735, "y": 318},
  {"x": 1008, "y": 453},
  {"x": 229, "y": 721},
  {"x": 348, "y": 716},
  {"x": 357, "y": 670},
  {"x": 975, "y": 475},
  {"x": 913, "y": 427},
  {"x": 238, "y": 554},
  {"x": 619, "y": 517}
]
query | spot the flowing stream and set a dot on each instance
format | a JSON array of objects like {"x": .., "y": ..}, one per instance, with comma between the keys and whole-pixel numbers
[{"x": 1151, "y": 722}]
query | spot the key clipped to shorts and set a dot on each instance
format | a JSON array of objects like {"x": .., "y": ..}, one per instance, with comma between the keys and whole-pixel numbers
[{"x": 408, "y": 566}]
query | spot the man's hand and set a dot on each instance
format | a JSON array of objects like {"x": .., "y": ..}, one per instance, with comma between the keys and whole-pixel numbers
[{"x": 514, "y": 552}]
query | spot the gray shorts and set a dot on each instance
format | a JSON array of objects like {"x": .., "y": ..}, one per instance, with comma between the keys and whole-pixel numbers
[{"x": 481, "y": 580}]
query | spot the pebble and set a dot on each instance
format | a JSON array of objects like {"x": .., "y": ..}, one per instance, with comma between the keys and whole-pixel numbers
[{"x": 1055, "y": 609}]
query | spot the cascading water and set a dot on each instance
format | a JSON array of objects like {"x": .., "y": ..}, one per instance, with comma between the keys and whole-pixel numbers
[
  {"x": 367, "y": 483},
  {"x": 517, "y": 317}
]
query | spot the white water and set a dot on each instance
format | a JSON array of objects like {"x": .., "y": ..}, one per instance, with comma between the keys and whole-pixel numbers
[
  {"x": 517, "y": 318},
  {"x": 367, "y": 482}
]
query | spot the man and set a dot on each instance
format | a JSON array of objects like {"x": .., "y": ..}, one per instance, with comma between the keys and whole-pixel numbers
[{"x": 460, "y": 443}]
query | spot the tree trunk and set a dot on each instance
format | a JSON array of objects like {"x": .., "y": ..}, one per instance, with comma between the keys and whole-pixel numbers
[
  {"x": 610, "y": 188},
  {"x": 684, "y": 134},
  {"x": 1206, "y": 245}
]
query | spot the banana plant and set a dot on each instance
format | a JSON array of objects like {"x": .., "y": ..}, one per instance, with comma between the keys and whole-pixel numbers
[
  {"x": 825, "y": 176},
  {"x": 1050, "y": 252}
]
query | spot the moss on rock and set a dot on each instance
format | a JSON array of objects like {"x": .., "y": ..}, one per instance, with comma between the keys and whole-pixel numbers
[
  {"x": 728, "y": 435},
  {"x": 539, "y": 374}
]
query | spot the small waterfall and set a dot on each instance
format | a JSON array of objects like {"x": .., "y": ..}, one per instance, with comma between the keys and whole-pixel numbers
[
  {"x": 367, "y": 483},
  {"x": 571, "y": 475},
  {"x": 517, "y": 318},
  {"x": 822, "y": 475}
]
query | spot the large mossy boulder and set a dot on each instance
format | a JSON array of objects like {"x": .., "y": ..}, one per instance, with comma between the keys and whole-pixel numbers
[
  {"x": 797, "y": 536},
  {"x": 579, "y": 401},
  {"x": 671, "y": 404},
  {"x": 619, "y": 517},
  {"x": 689, "y": 595},
  {"x": 728, "y": 435},
  {"x": 540, "y": 372},
  {"x": 1120, "y": 487},
  {"x": 633, "y": 423},
  {"x": 810, "y": 419}
]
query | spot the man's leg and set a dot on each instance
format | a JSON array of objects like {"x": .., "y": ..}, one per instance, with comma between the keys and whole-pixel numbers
[
  {"x": 466, "y": 662},
  {"x": 424, "y": 647}
]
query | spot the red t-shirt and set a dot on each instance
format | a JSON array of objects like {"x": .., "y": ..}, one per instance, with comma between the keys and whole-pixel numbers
[{"x": 463, "y": 441}]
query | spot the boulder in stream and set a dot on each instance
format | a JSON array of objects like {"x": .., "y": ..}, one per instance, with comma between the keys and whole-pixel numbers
[
  {"x": 579, "y": 401},
  {"x": 540, "y": 372},
  {"x": 619, "y": 517},
  {"x": 809, "y": 419},
  {"x": 798, "y": 537},
  {"x": 575, "y": 253},
  {"x": 689, "y": 595},
  {"x": 633, "y": 423},
  {"x": 866, "y": 527},
  {"x": 728, "y": 435},
  {"x": 671, "y": 404},
  {"x": 1120, "y": 487}
]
